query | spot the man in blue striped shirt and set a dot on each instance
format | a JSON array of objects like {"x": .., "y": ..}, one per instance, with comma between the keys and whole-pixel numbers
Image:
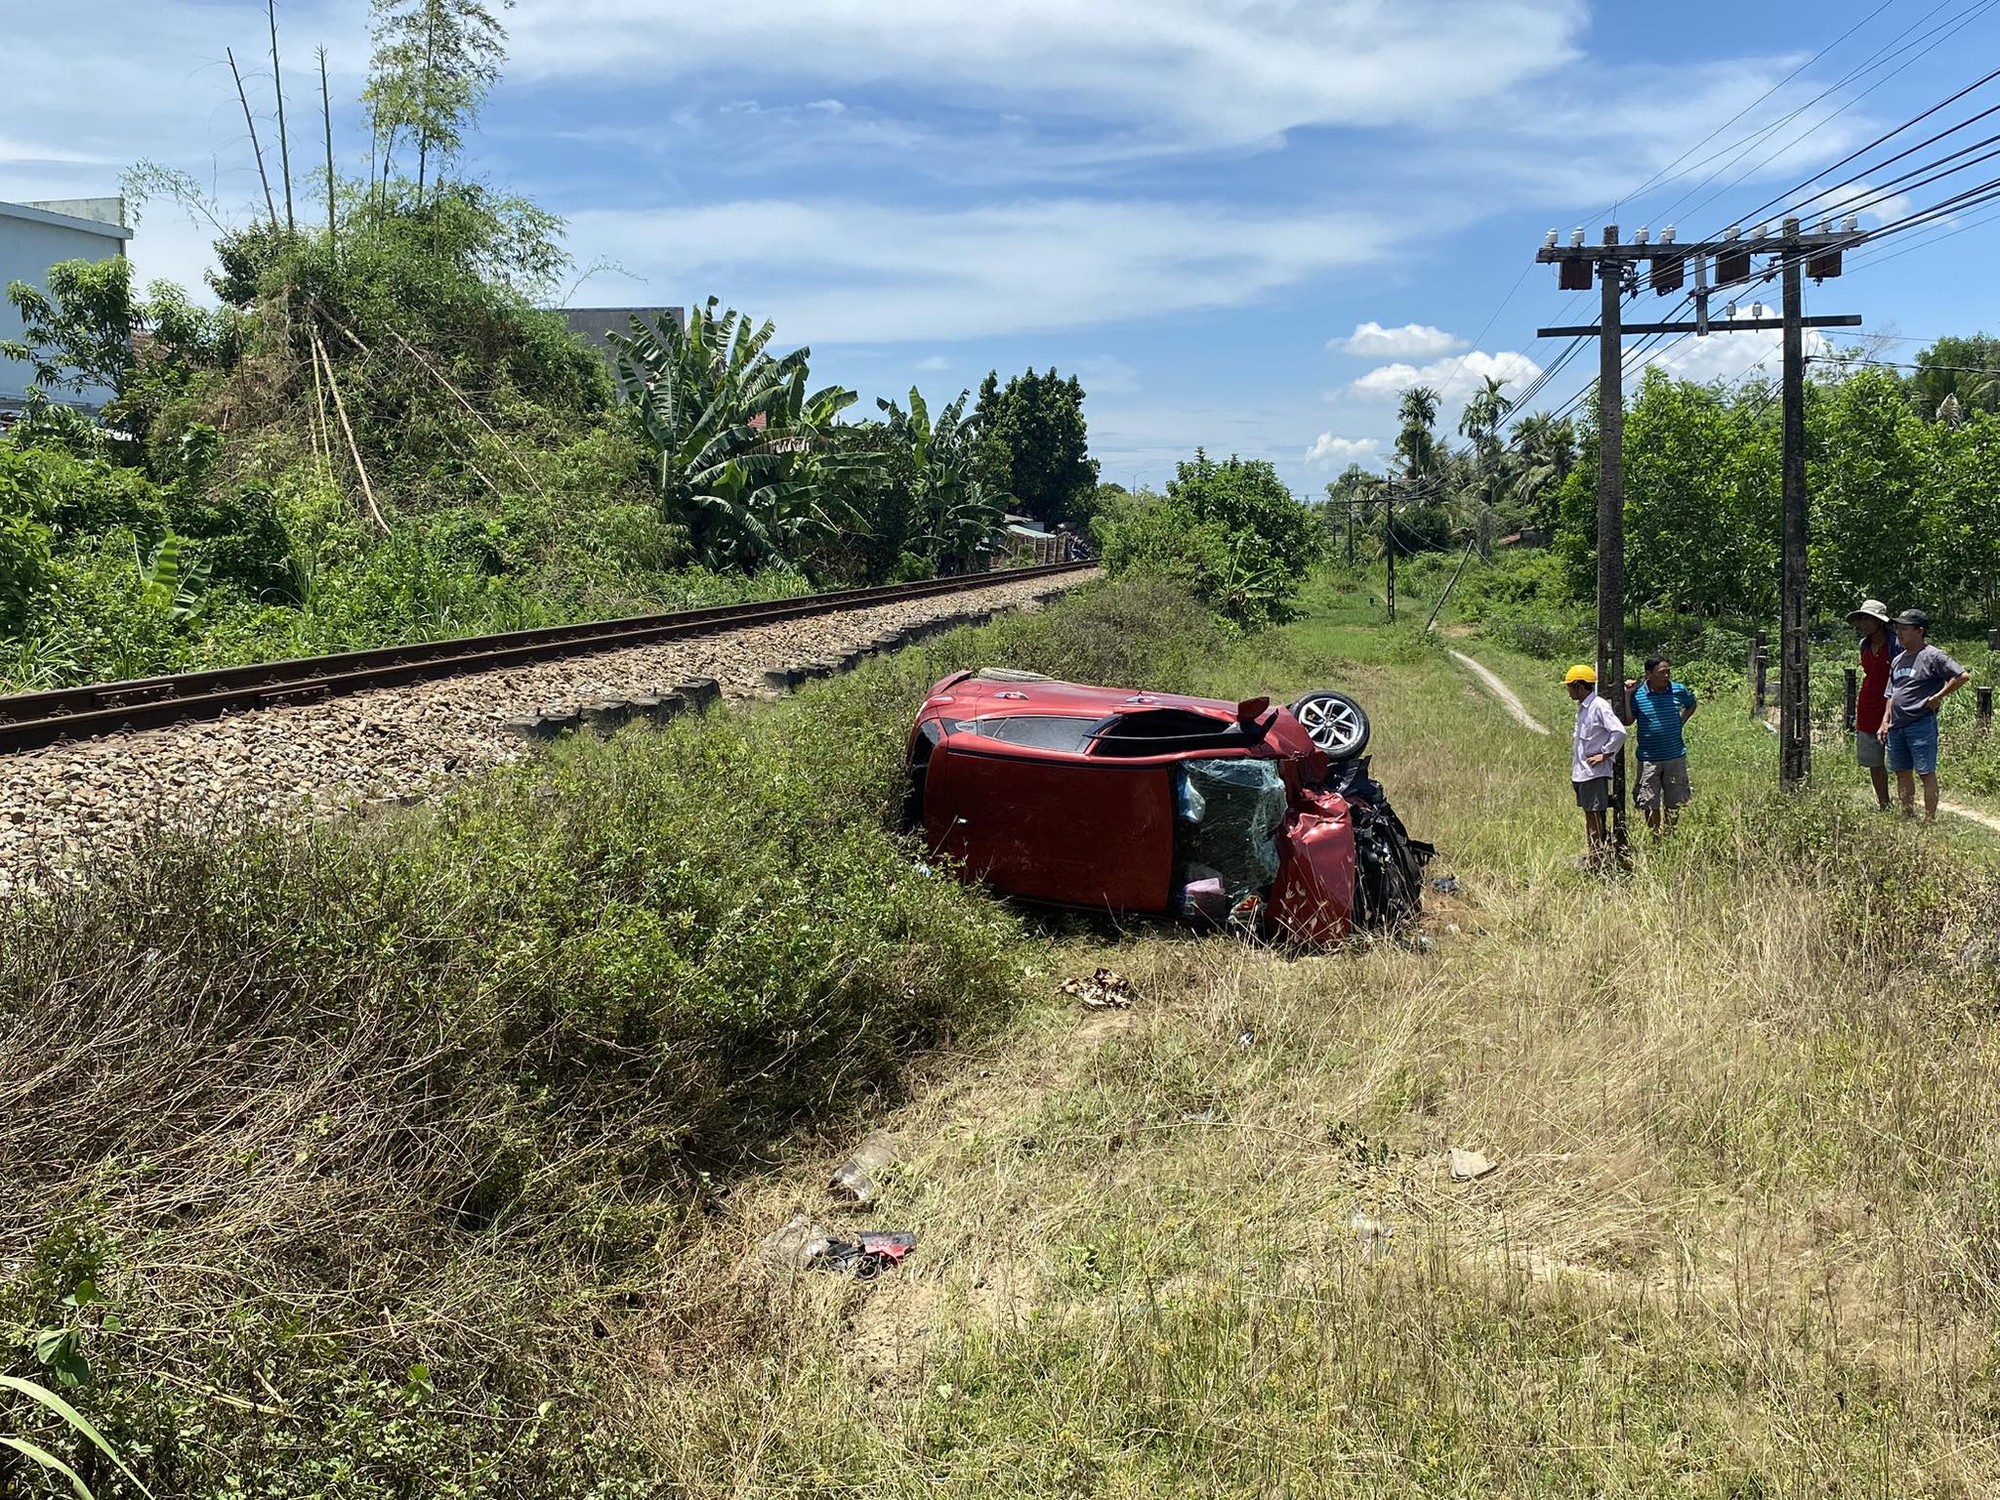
[{"x": 1658, "y": 707}]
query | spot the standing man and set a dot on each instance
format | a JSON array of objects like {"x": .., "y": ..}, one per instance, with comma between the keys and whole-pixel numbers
[
  {"x": 1600, "y": 738},
  {"x": 1871, "y": 623},
  {"x": 1659, "y": 706},
  {"x": 1920, "y": 678}
]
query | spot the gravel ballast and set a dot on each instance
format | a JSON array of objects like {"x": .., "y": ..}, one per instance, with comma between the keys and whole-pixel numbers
[{"x": 67, "y": 801}]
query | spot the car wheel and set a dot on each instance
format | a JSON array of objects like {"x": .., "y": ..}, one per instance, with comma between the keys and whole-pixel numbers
[{"x": 1334, "y": 722}]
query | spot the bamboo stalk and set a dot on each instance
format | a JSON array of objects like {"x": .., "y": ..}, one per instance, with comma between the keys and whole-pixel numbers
[
  {"x": 322, "y": 430},
  {"x": 284, "y": 140},
  {"x": 326, "y": 115},
  {"x": 445, "y": 380},
  {"x": 353, "y": 448},
  {"x": 255, "y": 145}
]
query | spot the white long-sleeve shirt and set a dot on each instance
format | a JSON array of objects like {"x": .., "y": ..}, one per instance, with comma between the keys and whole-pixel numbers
[{"x": 1598, "y": 732}]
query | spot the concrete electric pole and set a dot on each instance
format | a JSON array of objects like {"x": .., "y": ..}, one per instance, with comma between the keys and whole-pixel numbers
[{"x": 1817, "y": 255}]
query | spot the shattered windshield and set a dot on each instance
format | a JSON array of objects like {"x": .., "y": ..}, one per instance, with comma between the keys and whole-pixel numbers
[{"x": 1229, "y": 812}]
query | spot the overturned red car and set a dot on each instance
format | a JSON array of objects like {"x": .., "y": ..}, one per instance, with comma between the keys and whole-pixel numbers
[{"x": 1251, "y": 815}]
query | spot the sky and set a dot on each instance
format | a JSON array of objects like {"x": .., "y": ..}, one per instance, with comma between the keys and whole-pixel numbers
[{"x": 1245, "y": 225}]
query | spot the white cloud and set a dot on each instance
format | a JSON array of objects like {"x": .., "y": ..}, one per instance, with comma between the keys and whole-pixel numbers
[
  {"x": 1411, "y": 341},
  {"x": 1452, "y": 379},
  {"x": 1217, "y": 71},
  {"x": 1748, "y": 354},
  {"x": 865, "y": 273},
  {"x": 935, "y": 362},
  {"x": 1107, "y": 376},
  {"x": 1328, "y": 450}
]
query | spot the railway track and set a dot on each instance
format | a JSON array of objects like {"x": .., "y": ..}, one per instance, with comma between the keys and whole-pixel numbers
[{"x": 30, "y": 721}]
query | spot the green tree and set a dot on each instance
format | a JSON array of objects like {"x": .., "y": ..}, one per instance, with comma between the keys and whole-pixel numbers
[
  {"x": 1229, "y": 532},
  {"x": 435, "y": 63},
  {"x": 1034, "y": 445},
  {"x": 1544, "y": 453},
  {"x": 1964, "y": 513},
  {"x": 952, "y": 516},
  {"x": 1698, "y": 518},
  {"x": 77, "y": 335},
  {"x": 1965, "y": 370},
  {"x": 1874, "y": 481},
  {"x": 1489, "y": 477},
  {"x": 1425, "y": 468},
  {"x": 732, "y": 430}
]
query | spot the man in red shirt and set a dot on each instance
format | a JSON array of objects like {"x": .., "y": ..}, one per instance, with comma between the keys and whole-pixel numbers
[{"x": 1871, "y": 623}]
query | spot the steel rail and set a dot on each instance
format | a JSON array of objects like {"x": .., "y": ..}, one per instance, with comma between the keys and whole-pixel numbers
[{"x": 29, "y": 721}]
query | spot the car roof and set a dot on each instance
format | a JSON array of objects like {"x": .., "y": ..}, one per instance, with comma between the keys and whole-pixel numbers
[{"x": 1023, "y": 693}]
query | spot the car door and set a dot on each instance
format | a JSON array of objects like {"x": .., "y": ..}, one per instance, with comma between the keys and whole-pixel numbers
[{"x": 1053, "y": 825}]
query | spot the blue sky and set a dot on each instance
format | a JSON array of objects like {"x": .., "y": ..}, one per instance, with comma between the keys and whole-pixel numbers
[{"x": 1245, "y": 224}]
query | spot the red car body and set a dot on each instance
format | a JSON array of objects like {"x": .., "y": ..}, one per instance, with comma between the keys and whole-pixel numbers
[{"x": 1108, "y": 799}]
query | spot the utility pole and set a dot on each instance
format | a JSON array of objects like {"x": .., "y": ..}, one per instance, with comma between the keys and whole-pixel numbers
[
  {"x": 1611, "y": 515},
  {"x": 1389, "y": 542},
  {"x": 1819, "y": 256},
  {"x": 1794, "y": 651},
  {"x": 1350, "y": 531}
]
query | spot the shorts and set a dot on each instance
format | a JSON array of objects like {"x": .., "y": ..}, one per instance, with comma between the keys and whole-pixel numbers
[
  {"x": 1913, "y": 746},
  {"x": 1593, "y": 795},
  {"x": 1668, "y": 778},
  {"x": 1867, "y": 750}
]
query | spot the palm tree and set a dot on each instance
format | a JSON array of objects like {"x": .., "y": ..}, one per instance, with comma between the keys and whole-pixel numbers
[
  {"x": 1544, "y": 454},
  {"x": 1416, "y": 443},
  {"x": 1480, "y": 421},
  {"x": 735, "y": 433}
]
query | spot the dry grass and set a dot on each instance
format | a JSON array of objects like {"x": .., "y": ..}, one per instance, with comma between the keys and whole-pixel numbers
[{"x": 1741, "y": 1238}]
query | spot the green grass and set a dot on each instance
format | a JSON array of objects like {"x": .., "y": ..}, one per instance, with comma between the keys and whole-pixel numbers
[{"x": 1739, "y": 1242}]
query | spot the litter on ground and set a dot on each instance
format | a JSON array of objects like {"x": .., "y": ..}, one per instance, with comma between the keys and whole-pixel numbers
[
  {"x": 1468, "y": 1166},
  {"x": 1107, "y": 989}
]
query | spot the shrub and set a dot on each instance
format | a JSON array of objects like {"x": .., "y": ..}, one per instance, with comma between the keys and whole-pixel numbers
[{"x": 1230, "y": 534}]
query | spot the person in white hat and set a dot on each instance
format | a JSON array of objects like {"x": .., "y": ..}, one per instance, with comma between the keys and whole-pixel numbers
[{"x": 1871, "y": 623}]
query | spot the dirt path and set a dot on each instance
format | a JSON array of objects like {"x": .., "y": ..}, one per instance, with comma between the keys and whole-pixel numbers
[
  {"x": 1972, "y": 814},
  {"x": 1505, "y": 694}
]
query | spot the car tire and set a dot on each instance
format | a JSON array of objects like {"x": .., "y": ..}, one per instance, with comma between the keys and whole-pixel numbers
[{"x": 1334, "y": 722}]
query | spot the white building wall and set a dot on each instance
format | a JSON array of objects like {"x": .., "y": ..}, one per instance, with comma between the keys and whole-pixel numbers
[{"x": 33, "y": 238}]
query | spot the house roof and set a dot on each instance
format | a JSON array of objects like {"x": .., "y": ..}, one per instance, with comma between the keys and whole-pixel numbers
[
  {"x": 595, "y": 325},
  {"x": 67, "y": 213}
]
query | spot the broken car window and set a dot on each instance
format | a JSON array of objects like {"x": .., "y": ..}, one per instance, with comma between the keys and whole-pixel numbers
[{"x": 1229, "y": 813}]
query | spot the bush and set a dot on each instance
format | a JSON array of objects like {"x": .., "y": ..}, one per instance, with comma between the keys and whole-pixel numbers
[
  {"x": 398, "y": 1119},
  {"x": 1230, "y": 534},
  {"x": 491, "y": 1055}
]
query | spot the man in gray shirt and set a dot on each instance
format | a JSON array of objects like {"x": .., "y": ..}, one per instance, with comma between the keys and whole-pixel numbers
[{"x": 1920, "y": 678}]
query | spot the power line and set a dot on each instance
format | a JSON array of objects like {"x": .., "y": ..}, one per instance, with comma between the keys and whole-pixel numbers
[
  {"x": 1662, "y": 180},
  {"x": 1853, "y": 156},
  {"x": 1935, "y": 39}
]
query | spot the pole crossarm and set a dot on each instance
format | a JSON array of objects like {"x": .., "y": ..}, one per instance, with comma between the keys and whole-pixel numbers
[
  {"x": 1632, "y": 252},
  {"x": 1726, "y": 325}
]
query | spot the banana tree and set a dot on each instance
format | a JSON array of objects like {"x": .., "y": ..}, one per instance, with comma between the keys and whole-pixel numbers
[
  {"x": 734, "y": 430},
  {"x": 955, "y": 515}
]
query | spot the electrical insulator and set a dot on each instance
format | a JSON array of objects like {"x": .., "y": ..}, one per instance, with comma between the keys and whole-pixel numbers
[
  {"x": 1576, "y": 238},
  {"x": 1733, "y": 232},
  {"x": 1550, "y": 242},
  {"x": 1849, "y": 224},
  {"x": 1667, "y": 235},
  {"x": 1642, "y": 236}
]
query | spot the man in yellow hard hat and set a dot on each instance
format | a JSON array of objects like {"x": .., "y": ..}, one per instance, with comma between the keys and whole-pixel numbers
[{"x": 1600, "y": 739}]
